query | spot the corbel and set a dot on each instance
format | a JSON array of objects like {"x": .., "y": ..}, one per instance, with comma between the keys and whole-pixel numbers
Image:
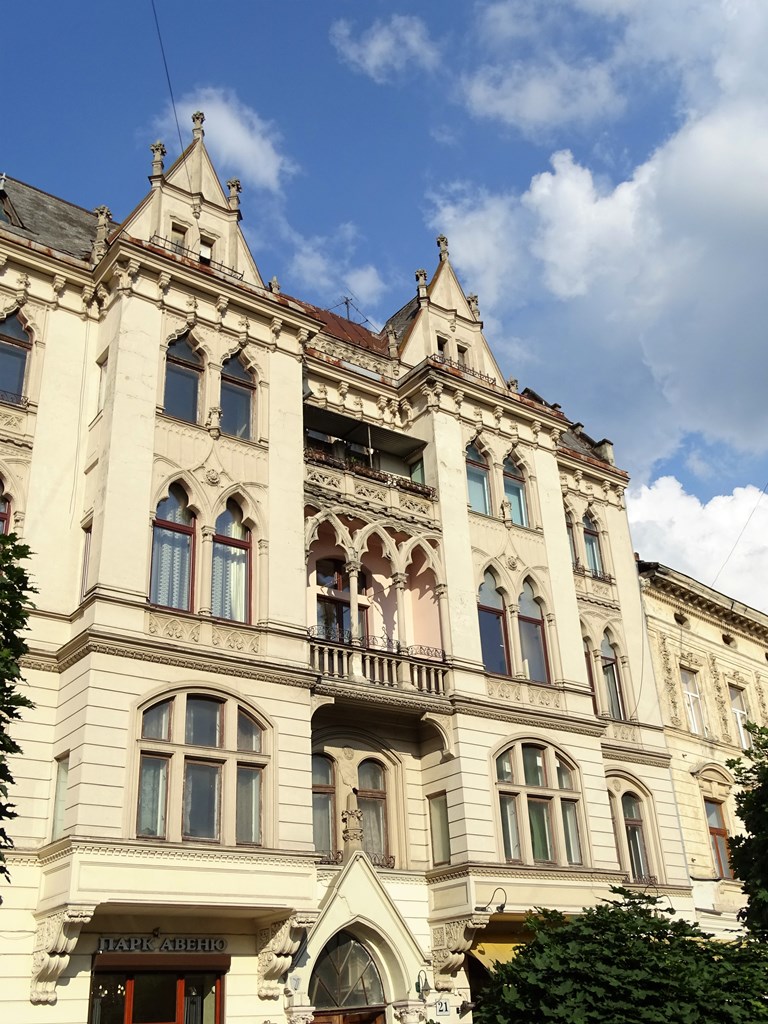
[
  {"x": 22, "y": 289},
  {"x": 55, "y": 939},
  {"x": 277, "y": 944},
  {"x": 357, "y": 403},
  {"x": 3, "y": 262},
  {"x": 87, "y": 295},
  {"x": 243, "y": 325},
  {"x": 536, "y": 430},
  {"x": 163, "y": 284},
  {"x": 450, "y": 942},
  {"x": 381, "y": 404},
  {"x": 191, "y": 318},
  {"x": 276, "y": 328},
  {"x": 497, "y": 414},
  {"x": 343, "y": 390},
  {"x": 57, "y": 286},
  {"x": 221, "y": 308},
  {"x": 406, "y": 410}
]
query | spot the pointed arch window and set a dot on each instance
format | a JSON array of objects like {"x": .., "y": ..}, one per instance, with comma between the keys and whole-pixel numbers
[
  {"x": 183, "y": 372},
  {"x": 514, "y": 492},
  {"x": 323, "y": 804},
  {"x": 5, "y": 510},
  {"x": 493, "y": 627},
  {"x": 592, "y": 546},
  {"x": 237, "y": 391},
  {"x": 477, "y": 481},
  {"x": 230, "y": 584},
  {"x": 345, "y": 976},
  {"x": 533, "y": 642},
  {"x": 15, "y": 346},
  {"x": 372, "y": 801},
  {"x": 613, "y": 691},
  {"x": 173, "y": 543},
  {"x": 571, "y": 539}
]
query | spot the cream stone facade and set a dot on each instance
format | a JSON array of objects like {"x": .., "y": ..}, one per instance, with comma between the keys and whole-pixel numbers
[
  {"x": 338, "y": 653},
  {"x": 711, "y": 665}
]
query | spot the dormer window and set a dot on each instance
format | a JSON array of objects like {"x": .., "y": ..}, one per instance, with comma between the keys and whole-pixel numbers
[
  {"x": 461, "y": 356},
  {"x": 206, "y": 251},
  {"x": 178, "y": 238}
]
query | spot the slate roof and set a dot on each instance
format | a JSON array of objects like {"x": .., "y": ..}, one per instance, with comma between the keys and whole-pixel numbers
[
  {"x": 401, "y": 320},
  {"x": 50, "y": 221}
]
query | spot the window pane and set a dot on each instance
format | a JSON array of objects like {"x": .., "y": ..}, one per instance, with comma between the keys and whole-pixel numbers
[
  {"x": 532, "y": 646},
  {"x": 509, "y": 830},
  {"x": 529, "y": 606},
  {"x": 504, "y": 771},
  {"x": 615, "y": 703},
  {"x": 248, "y": 733},
  {"x": 235, "y": 410},
  {"x": 638, "y": 861},
  {"x": 13, "y": 361},
  {"x": 571, "y": 832},
  {"x": 374, "y": 827},
  {"x": 60, "y": 796},
  {"x": 181, "y": 385},
  {"x": 202, "y": 725},
  {"x": 514, "y": 492},
  {"x": 541, "y": 837},
  {"x": 153, "y": 788},
  {"x": 173, "y": 509},
  {"x": 322, "y": 822},
  {"x": 438, "y": 823},
  {"x": 200, "y": 999},
  {"x": 594, "y": 560},
  {"x": 156, "y": 722},
  {"x": 171, "y": 558},
  {"x": 477, "y": 487},
  {"x": 533, "y": 766},
  {"x": 107, "y": 999},
  {"x": 564, "y": 775},
  {"x": 722, "y": 863},
  {"x": 492, "y": 644},
  {"x": 201, "y": 800},
  {"x": 248, "y": 804},
  {"x": 229, "y": 584},
  {"x": 322, "y": 770},
  {"x": 489, "y": 594},
  {"x": 12, "y": 327},
  {"x": 370, "y": 776},
  {"x": 154, "y": 998}
]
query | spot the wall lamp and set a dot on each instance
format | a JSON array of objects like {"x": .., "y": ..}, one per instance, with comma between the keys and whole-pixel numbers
[
  {"x": 422, "y": 984},
  {"x": 501, "y": 906},
  {"x": 466, "y": 1006}
]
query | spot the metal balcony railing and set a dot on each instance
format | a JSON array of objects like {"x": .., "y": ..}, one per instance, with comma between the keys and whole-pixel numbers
[
  {"x": 443, "y": 360},
  {"x": 190, "y": 254},
  {"x": 403, "y": 483},
  {"x": 10, "y": 398}
]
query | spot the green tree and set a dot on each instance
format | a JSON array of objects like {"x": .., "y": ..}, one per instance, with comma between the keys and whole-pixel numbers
[
  {"x": 15, "y": 589},
  {"x": 627, "y": 962},
  {"x": 749, "y": 852}
]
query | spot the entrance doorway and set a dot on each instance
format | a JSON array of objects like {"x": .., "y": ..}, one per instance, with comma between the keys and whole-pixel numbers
[
  {"x": 371, "y": 1016},
  {"x": 156, "y": 997},
  {"x": 345, "y": 986}
]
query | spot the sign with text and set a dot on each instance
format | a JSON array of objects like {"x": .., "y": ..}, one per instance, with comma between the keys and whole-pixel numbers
[{"x": 166, "y": 944}]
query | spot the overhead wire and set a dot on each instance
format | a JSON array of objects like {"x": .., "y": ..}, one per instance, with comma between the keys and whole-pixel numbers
[
  {"x": 741, "y": 534},
  {"x": 170, "y": 88}
]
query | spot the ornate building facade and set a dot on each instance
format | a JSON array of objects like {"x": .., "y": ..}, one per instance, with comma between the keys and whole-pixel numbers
[{"x": 338, "y": 652}]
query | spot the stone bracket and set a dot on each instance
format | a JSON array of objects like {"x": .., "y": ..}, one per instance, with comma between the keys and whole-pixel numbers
[
  {"x": 450, "y": 942},
  {"x": 55, "y": 940},
  {"x": 277, "y": 944}
]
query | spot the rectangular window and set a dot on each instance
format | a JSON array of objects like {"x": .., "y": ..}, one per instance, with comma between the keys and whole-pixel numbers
[
  {"x": 638, "y": 860},
  {"x": 374, "y": 827},
  {"x": 229, "y": 590},
  {"x": 322, "y": 822},
  {"x": 477, "y": 486},
  {"x": 739, "y": 708},
  {"x": 718, "y": 838},
  {"x": 153, "y": 795},
  {"x": 693, "y": 703},
  {"x": 248, "y": 805},
  {"x": 202, "y": 727},
  {"x": 541, "y": 829},
  {"x": 87, "y": 533},
  {"x": 170, "y": 583},
  {"x": 206, "y": 250},
  {"x": 571, "y": 831},
  {"x": 181, "y": 386},
  {"x": 509, "y": 830},
  {"x": 514, "y": 492},
  {"x": 235, "y": 410},
  {"x": 532, "y": 648},
  {"x": 533, "y": 766},
  {"x": 60, "y": 796},
  {"x": 613, "y": 692},
  {"x": 202, "y": 795},
  {"x": 493, "y": 642},
  {"x": 438, "y": 825},
  {"x": 178, "y": 237},
  {"x": 417, "y": 471},
  {"x": 461, "y": 355}
]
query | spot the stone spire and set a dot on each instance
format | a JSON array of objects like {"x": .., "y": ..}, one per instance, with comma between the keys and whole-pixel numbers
[
  {"x": 158, "y": 152},
  {"x": 442, "y": 244},
  {"x": 103, "y": 220},
  {"x": 197, "y": 125}
]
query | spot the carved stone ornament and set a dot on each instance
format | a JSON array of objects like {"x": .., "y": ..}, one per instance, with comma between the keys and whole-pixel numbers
[
  {"x": 55, "y": 940},
  {"x": 450, "y": 941},
  {"x": 409, "y": 1013},
  {"x": 277, "y": 945},
  {"x": 759, "y": 687},
  {"x": 301, "y": 1018},
  {"x": 720, "y": 698},
  {"x": 670, "y": 683},
  {"x": 172, "y": 628}
]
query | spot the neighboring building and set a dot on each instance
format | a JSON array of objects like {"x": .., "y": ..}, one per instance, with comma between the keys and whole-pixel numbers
[
  {"x": 710, "y": 657},
  {"x": 338, "y": 653}
]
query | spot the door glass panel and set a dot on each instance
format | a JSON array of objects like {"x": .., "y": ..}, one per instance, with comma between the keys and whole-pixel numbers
[
  {"x": 154, "y": 999},
  {"x": 107, "y": 999},
  {"x": 200, "y": 999}
]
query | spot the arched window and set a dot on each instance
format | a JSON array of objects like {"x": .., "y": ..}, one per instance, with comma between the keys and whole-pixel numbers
[
  {"x": 5, "y": 510},
  {"x": 230, "y": 586},
  {"x": 514, "y": 492},
  {"x": 345, "y": 976},
  {"x": 372, "y": 801},
  {"x": 477, "y": 481},
  {"x": 612, "y": 680},
  {"x": 183, "y": 370},
  {"x": 237, "y": 391},
  {"x": 571, "y": 539},
  {"x": 15, "y": 345},
  {"x": 539, "y": 805},
  {"x": 493, "y": 628},
  {"x": 632, "y": 824},
  {"x": 173, "y": 542},
  {"x": 333, "y": 602},
  {"x": 201, "y": 763},
  {"x": 323, "y": 804},
  {"x": 632, "y": 811},
  {"x": 718, "y": 838},
  {"x": 592, "y": 546},
  {"x": 532, "y": 639}
]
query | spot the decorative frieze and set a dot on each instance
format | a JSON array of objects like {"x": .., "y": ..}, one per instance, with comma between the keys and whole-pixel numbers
[
  {"x": 174, "y": 628},
  {"x": 235, "y": 639}
]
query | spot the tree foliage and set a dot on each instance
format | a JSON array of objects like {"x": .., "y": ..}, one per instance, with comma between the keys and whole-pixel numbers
[
  {"x": 15, "y": 589},
  {"x": 749, "y": 852},
  {"x": 625, "y": 961}
]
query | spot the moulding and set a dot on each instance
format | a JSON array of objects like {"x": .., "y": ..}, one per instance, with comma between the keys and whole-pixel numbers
[
  {"x": 370, "y": 693},
  {"x": 592, "y": 876},
  {"x": 165, "y": 851},
  {"x": 556, "y": 720},
  {"x": 635, "y": 756}
]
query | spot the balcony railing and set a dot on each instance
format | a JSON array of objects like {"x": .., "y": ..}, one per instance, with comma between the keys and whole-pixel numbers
[
  {"x": 403, "y": 483},
  {"x": 190, "y": 254},
  {"x": 382, "y": 661},
  {"x": 10, "y": 398},
  {"x": 454, "y": 364},
  {"x": 583, "y": 570}
]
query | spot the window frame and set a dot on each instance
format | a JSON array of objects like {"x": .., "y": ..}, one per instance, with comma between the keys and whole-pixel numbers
[
  {"x": 189, "y": 530},
  {"x": 694, "y": 703},
  {"x": 6, "y": 510},
  {"x": 227, "y": 755},
  {"x": 644, "y": 827},
  {"x": 499, "y": 614},
  {"x": 519, "y": 484},
  {"x": 326, "y": 790},
  {"x": 723, "y": 870},
  {"x": 551, "y": 794},
  {"x": 593, "y": 547},
  {"x": 8, "y": 344},
  {"x": 339, "y": 598},
  {"x": 541, "y": 633},
  {"x": 740, "y": 715},
  {"x": 439, "y": 828},
  {"x": 615, "y": 702},
  {"x": 183, "y": 367},
  {"x": 380, "y": 796},
  {"x": 225, "y": 541},
  {"x": 481, "y": 469},
  {"x": 60, "y": 789},
  {"x": 245, "y": 384}
]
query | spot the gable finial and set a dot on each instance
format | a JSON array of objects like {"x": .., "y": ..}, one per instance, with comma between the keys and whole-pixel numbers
[
  {"x": 421, "y": 285},
  {"x": 442, "y": 244},
  {"x": 158, "y": 152},
  {"x": 474, "y": 306},
  {"x": 235, "y": 188},
  {"x": 103, "y": 219},
  {"x": 197, "y": 124}
]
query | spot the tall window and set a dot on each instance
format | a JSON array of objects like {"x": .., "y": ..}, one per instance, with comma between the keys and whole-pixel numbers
[
  {"x": 539, "y": 806},
  {"x": 612, "y": 681},
  {"x": 323, "y": 804},
  {"x": 372, "y": 801},
  {"x": 183, "y": 370},
  {"x": 740, "y": 715},
  {"x": 60, "y": 796},
  {"x": 632, "y": 811},
  {"x": 236, "y": 399},
  {"x": 477, "y": 481},
  {"x": 200, "y": 771},
  {"x": 230, "y": 586},
  {"x": 439, "y": 829},
  {"x": 532, "y": 640},
  {"x": 632, "y": 821},
  {"x": 5, "y": 511},
  {"x": 333, "y": 601},
  {"x": 571, "y": 539},
  {"x": 590, "y": 674},
  {"x": 693, "y": 703},
  {"x": 15, "y": 345},
  {"x": 592, "y": 546},
  {"x": 493, "y": 628},
  {"x": 173, "y": 544},
  {"x": 718, "y": 837},
  {"x": 514, "y": 492}
]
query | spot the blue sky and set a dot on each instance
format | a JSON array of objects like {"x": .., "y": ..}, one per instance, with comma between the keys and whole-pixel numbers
[{"x": 600, "y": 168}]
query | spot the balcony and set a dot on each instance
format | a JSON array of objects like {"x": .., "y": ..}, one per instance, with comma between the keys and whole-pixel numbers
[
  {"x": 355, "y": 479},
  {"x": 378, "y": 661}
]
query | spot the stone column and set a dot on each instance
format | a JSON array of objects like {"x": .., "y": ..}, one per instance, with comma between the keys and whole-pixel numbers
[{"x": 205, "y": 574}]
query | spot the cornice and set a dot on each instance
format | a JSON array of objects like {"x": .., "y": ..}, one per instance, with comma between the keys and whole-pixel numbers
[
  {"x": 384, "y": 697},
  {"x": 690, "y": 596},
  {"x": 535, "y": 717},
  {"x": 165, "y": 851},
  {"x": 598, "y": 876},
  {"x": 619, "y": 753}
]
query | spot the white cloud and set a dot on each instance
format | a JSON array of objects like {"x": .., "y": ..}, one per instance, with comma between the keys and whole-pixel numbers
[
  {"x": 366, "y": 283},
  {"x": 325, "y": 265},
  {"x": 387, "y": 48},
  {"x": 239, "y": 140},
  {"x": 675, "y": 528}
]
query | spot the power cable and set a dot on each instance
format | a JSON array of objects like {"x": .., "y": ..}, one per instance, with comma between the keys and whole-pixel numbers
[
  {"x": 741, "y": 534},
  {"x": 170, "y": 90}
]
